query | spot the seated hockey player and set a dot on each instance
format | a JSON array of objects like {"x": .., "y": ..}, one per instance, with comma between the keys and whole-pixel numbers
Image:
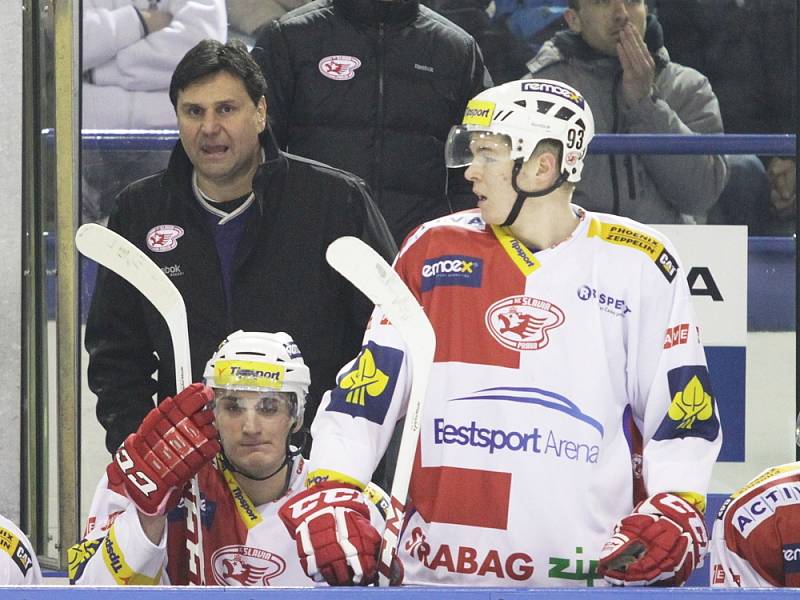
[
  {"x": 235, "y": 436},
  {"x": 18, "y": 563},
  {"x": 550, "y": 322},
  {"x": 756, "y": 537}
]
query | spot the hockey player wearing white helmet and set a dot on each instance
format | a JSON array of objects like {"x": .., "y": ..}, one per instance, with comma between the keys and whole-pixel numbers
[
  {"x": 756, "y": 536},
  {"x": 234, "y": 434},
  {"x": 553, "y": 324}
]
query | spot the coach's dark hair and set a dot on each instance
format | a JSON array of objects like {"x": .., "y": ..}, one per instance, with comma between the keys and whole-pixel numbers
[{"x": 210, "y": 57}]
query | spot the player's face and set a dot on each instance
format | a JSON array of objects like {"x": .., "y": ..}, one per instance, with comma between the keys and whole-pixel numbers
[
  {"x": 219, "y": 127},
  {"x": 490, "y": 173},
  {"x": 600, "y": 21},
  {"x": 253, "y": 427}
]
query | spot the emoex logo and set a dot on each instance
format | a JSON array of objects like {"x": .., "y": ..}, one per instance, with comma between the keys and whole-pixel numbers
[{"x": 465, "y": 271}]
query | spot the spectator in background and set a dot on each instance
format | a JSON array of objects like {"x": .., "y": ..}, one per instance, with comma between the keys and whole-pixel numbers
[
  {"x": 504, "y": 54},
  {"x": 130, "y": 48},
  {"x": 531, "y": 21},
  {"x": 371, "y": 87},
  {"x": 245, "y": 16},
  {"x": 614, "y": 54},
  {"x": 748, "y": 51}
]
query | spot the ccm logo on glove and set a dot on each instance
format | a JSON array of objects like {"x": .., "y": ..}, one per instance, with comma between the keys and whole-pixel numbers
[
  {"x": 138, "y": 478},
  {"x": 323, "y": 499}
]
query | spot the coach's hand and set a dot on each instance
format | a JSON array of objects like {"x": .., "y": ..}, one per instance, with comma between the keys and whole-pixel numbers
[
  {"x": 335, "y": 539},
  {"x": 661, "y": 542},
  {"x": 171, "y": 445}
]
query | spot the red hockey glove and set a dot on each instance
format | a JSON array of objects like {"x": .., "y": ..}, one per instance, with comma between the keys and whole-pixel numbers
[
  {"x": 335, "y": 540},
  {"x": 662, "y": 542},
  {"x": 171, "y": 445}
]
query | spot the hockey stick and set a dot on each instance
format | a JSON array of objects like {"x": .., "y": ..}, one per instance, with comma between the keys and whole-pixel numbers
[
  {"x": 373, "y": 276},
  {"x": 117, "y": 254}
]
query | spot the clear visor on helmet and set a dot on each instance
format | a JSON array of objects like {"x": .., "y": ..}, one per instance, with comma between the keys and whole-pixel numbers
[
  {"x": 237, "y": 403},
  {"x": 466, "y": 146}
]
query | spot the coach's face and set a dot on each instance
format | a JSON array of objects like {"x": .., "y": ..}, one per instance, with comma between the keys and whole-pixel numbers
[{"x": 219, "y": 127}]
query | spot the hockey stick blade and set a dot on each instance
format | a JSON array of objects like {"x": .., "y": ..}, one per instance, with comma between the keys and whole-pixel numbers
[
  {"x": 373, "y": 276},
  {"x": 117, "y": 254}
]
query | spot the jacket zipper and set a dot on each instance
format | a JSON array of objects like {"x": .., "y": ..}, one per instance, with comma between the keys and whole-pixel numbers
[
  {"x": 377, "y": 191},
  {"x": 612, "y": 159},
  {"x": 631, "y": 178}
]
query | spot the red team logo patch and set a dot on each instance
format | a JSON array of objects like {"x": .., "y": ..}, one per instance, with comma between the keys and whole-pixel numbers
[
  {"x": 163, "y": 238},
  {"x": 522, "y": 323},
  {"x": 339, "y": 67},
  {"x": 245, "y": 566}
]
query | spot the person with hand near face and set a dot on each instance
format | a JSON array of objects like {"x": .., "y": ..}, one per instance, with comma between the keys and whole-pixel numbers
[
  {"x": 241, "y": 229},
  {"x": 234, "y": 433},
  {"x": 614, "y": 53}
]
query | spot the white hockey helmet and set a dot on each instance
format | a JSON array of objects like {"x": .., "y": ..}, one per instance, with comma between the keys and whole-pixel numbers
[
  {"x": 526, "y": 112},
  {"x": 257, "y": 361}
]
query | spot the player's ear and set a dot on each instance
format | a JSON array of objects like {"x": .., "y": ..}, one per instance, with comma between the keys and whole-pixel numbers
[{"x": 261, "y": 113}]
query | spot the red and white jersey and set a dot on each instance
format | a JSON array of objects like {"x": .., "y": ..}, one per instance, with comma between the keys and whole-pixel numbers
[
  {"x": 756, "y": 537},
  {"x": 244, "y": 544},
  {"x": 523, "y": 466},
  {"x": 18, "y": 564}
]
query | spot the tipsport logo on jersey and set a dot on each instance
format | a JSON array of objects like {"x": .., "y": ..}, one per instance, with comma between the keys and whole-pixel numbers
[
  {"x": 366, "y": 390},
  {"x": 691, "y": 412}
]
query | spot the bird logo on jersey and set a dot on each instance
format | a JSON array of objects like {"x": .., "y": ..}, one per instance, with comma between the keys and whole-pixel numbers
[
  {"x": 691, "y": 412},
  {"x": 163, "y": 238},
  {"x": 522, "y": 323},
  {"x": 245, "y": 566},
  {"x": 366, "y": 389},
  {"x": 339, "y": 67}
]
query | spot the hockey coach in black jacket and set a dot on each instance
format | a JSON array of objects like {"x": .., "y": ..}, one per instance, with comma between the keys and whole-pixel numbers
[
  {"x": 372, "y": 87},
  {"x": 241, "y": 229}
]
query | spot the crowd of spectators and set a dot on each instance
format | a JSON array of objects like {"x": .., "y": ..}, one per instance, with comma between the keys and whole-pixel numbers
[{"x": 744, "y": 49}]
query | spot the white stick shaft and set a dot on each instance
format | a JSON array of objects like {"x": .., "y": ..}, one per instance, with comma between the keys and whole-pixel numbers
[
  {"x": 117, "y": 254},
  {"x": 367, "y": 271}
]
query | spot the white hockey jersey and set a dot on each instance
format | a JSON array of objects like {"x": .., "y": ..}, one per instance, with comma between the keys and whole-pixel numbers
[
  {"x": 523, "y": 466},
  {"x": 244, "y": 544},
  {"x": 756, "y": 537},
  {"x": 18, "y": 563}
]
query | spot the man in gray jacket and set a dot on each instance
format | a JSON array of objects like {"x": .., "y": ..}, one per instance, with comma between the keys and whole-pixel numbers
[{"x": 614, "y": 53}]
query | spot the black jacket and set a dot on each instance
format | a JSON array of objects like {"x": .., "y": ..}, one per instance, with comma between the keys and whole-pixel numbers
[
  {"x": 281, "y": 281},
  {"x": 385, "y": 119}
]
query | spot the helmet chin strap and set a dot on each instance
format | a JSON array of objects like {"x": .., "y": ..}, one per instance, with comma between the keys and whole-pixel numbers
[{"x": 522, "y": 195}]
